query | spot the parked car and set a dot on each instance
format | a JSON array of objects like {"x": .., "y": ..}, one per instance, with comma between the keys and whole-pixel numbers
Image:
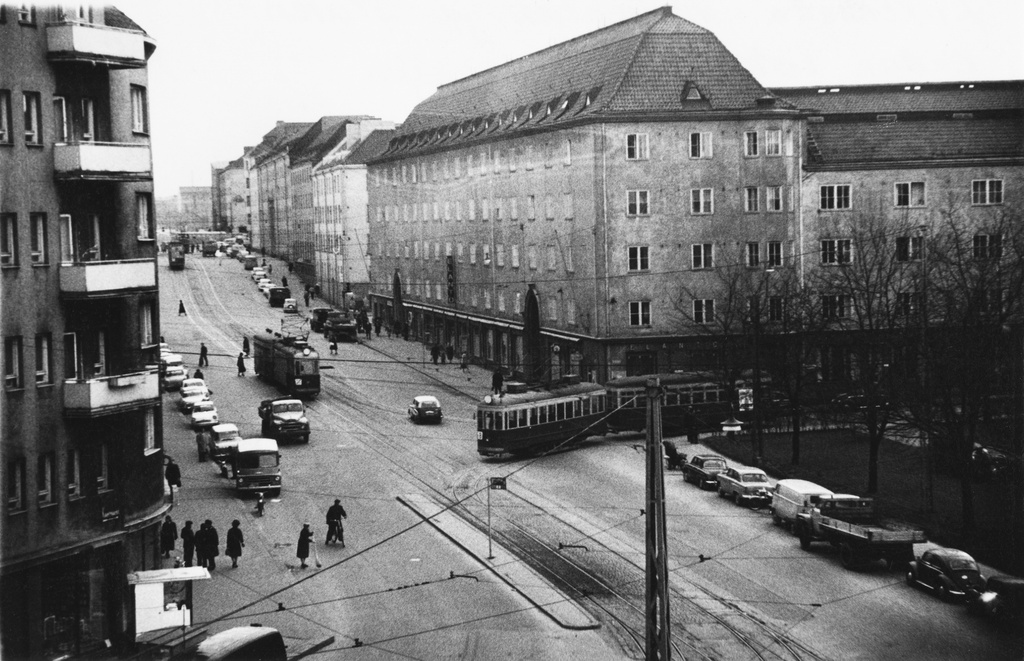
[
  {"x": 989, "y": 463},
  {"x": 790, "y": 498},
  {"x": 425, "y": 408},
  {"x": 1002, "y": 600},
  {"x": 263, "y": 284},
  {"x": 258, "y": 273},
  {"x": 290, "y": 305},
  {"x": 193, "y": 383},
  {"x": 703, "y": 470},
  {"x": 855, "y": 401},
  {"x": 204, "y": 414},
  {"x": 192, "y": 396},
  {"x": 223, "y": 440},
  {"x": 947, "y": 572},
  {"x": 745, "y": 485},
  {"x": 172, "y": 377}
]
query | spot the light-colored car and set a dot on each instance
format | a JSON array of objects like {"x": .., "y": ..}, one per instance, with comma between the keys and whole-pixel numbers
[
  {"x": 290, "y": 305},
  {"x": 204, "y": 414},
  {"x": 745, "y": 485},
  {"x": 258, "y": 273},
  {"x": 425, "y": 408},
  {"x": 264, "y": 285},
  {"x": 790, "y": 498},
  {"x": 224, "y": 438},
  {"x": 192, "y": 396},
  {"x": 173, "y": 376},
  {"x": 193, "y": 383}
]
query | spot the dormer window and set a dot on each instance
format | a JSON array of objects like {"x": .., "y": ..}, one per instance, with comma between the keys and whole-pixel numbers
[{"x": 691, "y": 92}]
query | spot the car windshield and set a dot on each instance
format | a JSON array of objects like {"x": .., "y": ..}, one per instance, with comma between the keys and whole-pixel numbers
[
  {"x": 254, "y": 460},
  {"x": 288, "y": 407},
  {"x": 962, "y": 564},
  {"x": 753, "y": 477},
  {"x": 714, "y": 463},
  {"x": 204, "y": 406},
  {"x": 428, "y": 405},
  {"x": 193, "y": 392}
]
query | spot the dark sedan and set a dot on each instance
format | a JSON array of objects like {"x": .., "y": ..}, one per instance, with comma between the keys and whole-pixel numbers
[
  {"x": 947, "y": 572},
  {"x": 425, "y": 409}
]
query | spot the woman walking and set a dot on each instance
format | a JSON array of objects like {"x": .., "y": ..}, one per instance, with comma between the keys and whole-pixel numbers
[
  {"x": 235, "y": 543},
  {"x": 302, "y": 549},
  {"x": 241, "y": 364}
]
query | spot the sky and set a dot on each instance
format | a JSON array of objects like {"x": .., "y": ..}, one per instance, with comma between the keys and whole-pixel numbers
[{"x": 225, "y": 71}]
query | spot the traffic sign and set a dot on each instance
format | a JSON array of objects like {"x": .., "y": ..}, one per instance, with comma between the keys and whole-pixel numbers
[{"x": 746, "y": 399}]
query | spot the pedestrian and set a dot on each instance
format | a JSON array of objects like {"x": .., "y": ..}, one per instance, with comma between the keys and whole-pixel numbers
[
  {"x": 260, "y": 503},
  {"x": 306, "y": 298},
  {"x": 387, "y": 328},
  {"x": 235, "y": 543},
  {"x": 198, "y": 374},
  {"x": 241, "y": 364},
  {"x": 188, "y": 543},
  {"x": 173, "y": 475},
  {"x": 497, "y": 379},
  {"x": 335, "y": 531},
  {"x": 450, "y": 352},
  {"x": 204, "y": 360},
  {"x": 302, "y": 549},
  {"x": 264, "y": 260},
  {"x": 270, "y": 269},
  {"x": 202, "y": 559},
  {"x": 444, "y": 356},
  {"x": 203, "y": 443},
  {"x": 181, "y": 308},
  {"x": 212, "y": 545},
  {"x": 465, "y": 361},
  {"x": 316, "y": 290},
  {"x": 290, "y": 267},
  {"x": 245, "y": 345},
  {"x": 435, "y": 351},
  {"x": 284, "y": 280},
  {"x": 168, "y": 534},
  {"x": 334, "y": 348},
  {"x": 376, "y": 325}
]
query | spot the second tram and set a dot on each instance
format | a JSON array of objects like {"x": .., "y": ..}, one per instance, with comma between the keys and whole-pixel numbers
[{"x": 288, "y": 362}]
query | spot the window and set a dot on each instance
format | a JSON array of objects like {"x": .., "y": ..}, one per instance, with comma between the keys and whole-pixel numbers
[
  {"x": 499, "y": 255},
  {"x": 531, "y": 207},
  {"x": 639, "y": 313},
  {"x": 910, "y": 194},
  {"x": 703, "y": 310},
  {"x": 549, "y": 207},
  {"x": 638, "y": 258},
  {"x": 835, "y": 251},
  {"x": 774, "y": 254},
  {"x": 834, "y": 306},
  {"x": 140, "y": 110},
  {"x": 486, "y": 254},
  {"x": 472, "y": 253},
  {"x": 513, "y": 211},
  {"x": 568, "y": 206},
  {"x": 908, "y": 248},
  {"x": 531, "y": 257},
  {"x": 149, "y": 430},
  {"x": 528, "y": 157},
  {"x": 33, "y": 118},
  {"x": 773, "y": 198},
  {"x": 702, "y": 200},
  {"x": 44, "y": 479},
  {"x": 39, "y": 244},
  {"x": 567, "y": 153},
  {"x": 103, "y": 474},
  {"x": 16, "y": 485},
  {"x": 988, "y": 246},
  {"x": 703, "y": 256},
  {"x": 753, "y": 254},
  {"x": 6, "y": 136},
  {"x": 637, "y": 203},
  {"x": 146, "y": 335},
  {"x": 44, "y": 359},
  {"x": 552, "y": 258},
  {"x": 775, "y": 308},
  {"x": 773, "y": 142},
  {"x": 12, "y": 363},
  {"x": 700, "y": 145},
  {"x": 485, "y": 209},
  {"x": 908, "y": 303},
  {"x": 636, "y": 147},
  {"x": 60, "y": 120},
  {"x": 8, "y": 239},
  {"x": 27, "y": 14},
  {"x": 515, "y": 257},
  {"x": 750, "y": 199},
  {"x": 987, "y": 191},
  {"x": 835, "y": 197},
  {"x": 750, "y": 143},
  {"x": 74, "y": 475}
]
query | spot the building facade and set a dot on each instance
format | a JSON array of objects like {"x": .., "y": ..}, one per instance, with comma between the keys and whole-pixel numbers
[
  {"x": 609, "y": 175},
  {"x": 270, "y": 162},
  {"x": 196, "y": 207},
  {"x": 228, "y": 196},
  {"x": 82, "y": 436}
]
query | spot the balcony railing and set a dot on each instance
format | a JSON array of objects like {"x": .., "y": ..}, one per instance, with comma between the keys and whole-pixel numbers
[
  {"x": 108, "y": 161},
  {"x": 107, "y": 278},
  {"x": 111, "y": 394},
  {"x": 98, "y": 44}
]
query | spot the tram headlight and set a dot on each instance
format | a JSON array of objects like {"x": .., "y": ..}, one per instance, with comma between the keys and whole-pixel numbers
[{"x": 488, "y": 399}]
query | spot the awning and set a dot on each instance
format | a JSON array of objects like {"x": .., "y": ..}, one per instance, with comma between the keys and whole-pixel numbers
[
  {"x": 168, "y": 575},
  {"x": 559, "y": 336}
]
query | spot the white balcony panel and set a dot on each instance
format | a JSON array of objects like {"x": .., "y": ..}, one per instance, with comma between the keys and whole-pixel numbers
[
  {"x": 87, "y": 41},
  {"x": 102, "y": 158},
  {"x": 107, "y": 277},
  {"x": 111, "y": 394}
]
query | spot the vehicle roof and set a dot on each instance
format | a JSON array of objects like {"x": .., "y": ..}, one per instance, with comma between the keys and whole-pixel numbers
[
  {"x": 275, "y": 400},
  {"x": 225, "y": 641},
  {"x": 225, "y": 427},
  {"x": 426, "y": 399},
  {"x": 708, "y": 456},
  {"x": 171, "y": 358},
  {"x": 257, "y": 445},
  {"x": 748, "y": 470},
  {"x": 804, "y": 486},
  {"x": 194, "y": 382},
  {"x": 951, "y": 553},
  {"x": 539, "y": 396}
]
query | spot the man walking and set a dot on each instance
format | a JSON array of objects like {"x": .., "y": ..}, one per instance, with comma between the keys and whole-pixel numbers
[
  {"x": 168, "y": 533},
  {"x": 204, "y": 360},
  {"x": 497, "y": 380},
  {"x": 200, "y": 541},
  {"x": 188, "y": 543},
  {"x": 212, "y": 545},
  {"x": 335, "y": 531},
  {"x": 173, "y": 475}
]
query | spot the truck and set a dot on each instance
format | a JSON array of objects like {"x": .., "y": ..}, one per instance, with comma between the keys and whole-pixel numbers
[
  {"x": 176, "y": 255},
  {"x": 209, "y": 249},
  {"x": 284, "y": 419},
  {"x": 340, "y": 327},
  {"x": 852, "y": 525},
  {"x": 256, "y": 466}
]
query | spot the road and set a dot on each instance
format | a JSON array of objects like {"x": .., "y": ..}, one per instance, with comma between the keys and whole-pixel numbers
[{"x": 741, "y": 587}]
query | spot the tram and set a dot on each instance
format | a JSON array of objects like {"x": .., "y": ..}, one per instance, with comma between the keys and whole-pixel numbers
[
  {"x": 176, "y": 256},
  {"x": 537, "y": 421},
  {"x": 288, "y": 362}
]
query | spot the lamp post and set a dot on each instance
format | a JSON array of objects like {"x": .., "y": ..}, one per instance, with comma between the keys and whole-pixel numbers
[{"x": 731, "y": 426}]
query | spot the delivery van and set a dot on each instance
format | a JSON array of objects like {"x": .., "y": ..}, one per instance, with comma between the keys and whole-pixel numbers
[
  {"x": 243, "y": 644},
  {"x": 278, "y": 295},
  {"x": 256, "y": 466},
  {"x": 791, "y": 498}
]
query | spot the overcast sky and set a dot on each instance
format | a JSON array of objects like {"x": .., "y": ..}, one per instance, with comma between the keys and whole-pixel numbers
[{"x": 225, "y": 71}]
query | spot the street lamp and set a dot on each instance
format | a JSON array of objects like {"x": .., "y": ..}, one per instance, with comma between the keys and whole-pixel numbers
[{"x": 731, "y": 426}]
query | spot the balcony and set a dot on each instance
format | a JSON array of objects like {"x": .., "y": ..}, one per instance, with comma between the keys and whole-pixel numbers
[
  {"x": 106, "y": 395},
  {"x": 107, "y": 278},
  {"x": 96, "y": 44},
  {"x": 102, "y": 161}
]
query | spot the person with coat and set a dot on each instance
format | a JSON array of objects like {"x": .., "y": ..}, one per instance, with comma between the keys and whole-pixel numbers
[
  {"x": 204, "y": 355},
  {"x": 203, "y": 439},
  {"x": 245, "y": 345},
  {"x": 335, "y": 531},
  {"x": 497, "y": 380},
  {"x": 305, "y": 539},
  {"x": 199, "y": 374},
  {"x": 450, "y": 352},
  {"x": 241, "y": 364},
  {"x": 188, "y": 543},
  {"x": 173, "y": 475},
  {"x": 212, "y": 545},
  {"x": 435, "y": 351},
  {"x": 235, "y": 543},
  {"x": 168, "y": 534},
  {"x": 181, "y": 308},
  {"x": 200, "y": 540}
]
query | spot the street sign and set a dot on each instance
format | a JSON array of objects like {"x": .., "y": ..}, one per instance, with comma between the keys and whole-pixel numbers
[
  {"x": 497, "y": 483},
  {"x": 746, "y": 399}
]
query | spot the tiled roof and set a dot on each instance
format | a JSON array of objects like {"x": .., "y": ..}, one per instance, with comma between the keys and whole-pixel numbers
[
  {"x": 941, "y": 139},
  {"x": 371, "y": 146},
  {"x": 115, "y": 18},
  {"x": 644, "y": 65},
  {"x": 278, "y": 137},
  {"x": 907, "y": 97}
]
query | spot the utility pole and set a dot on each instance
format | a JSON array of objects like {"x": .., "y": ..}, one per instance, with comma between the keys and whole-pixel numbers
[{"x": 657, "y": 604}]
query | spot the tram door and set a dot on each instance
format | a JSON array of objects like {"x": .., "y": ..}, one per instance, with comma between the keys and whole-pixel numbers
[{"x": 639, "y": 363}]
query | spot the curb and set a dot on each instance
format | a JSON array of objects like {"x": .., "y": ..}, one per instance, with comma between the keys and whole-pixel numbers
[{"x": 560, "y": 607}]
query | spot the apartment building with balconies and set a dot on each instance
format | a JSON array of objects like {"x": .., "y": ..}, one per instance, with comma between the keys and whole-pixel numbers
[
  {"x": 80, "y": 408},
  {"x": 270, "y": 163},
  {"x": 610, "y": 176}
]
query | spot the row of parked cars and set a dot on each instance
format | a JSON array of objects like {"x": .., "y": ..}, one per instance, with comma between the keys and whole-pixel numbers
[
  {"x": 848, "y": 522},
  {"x": 278, "y": 296}
]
